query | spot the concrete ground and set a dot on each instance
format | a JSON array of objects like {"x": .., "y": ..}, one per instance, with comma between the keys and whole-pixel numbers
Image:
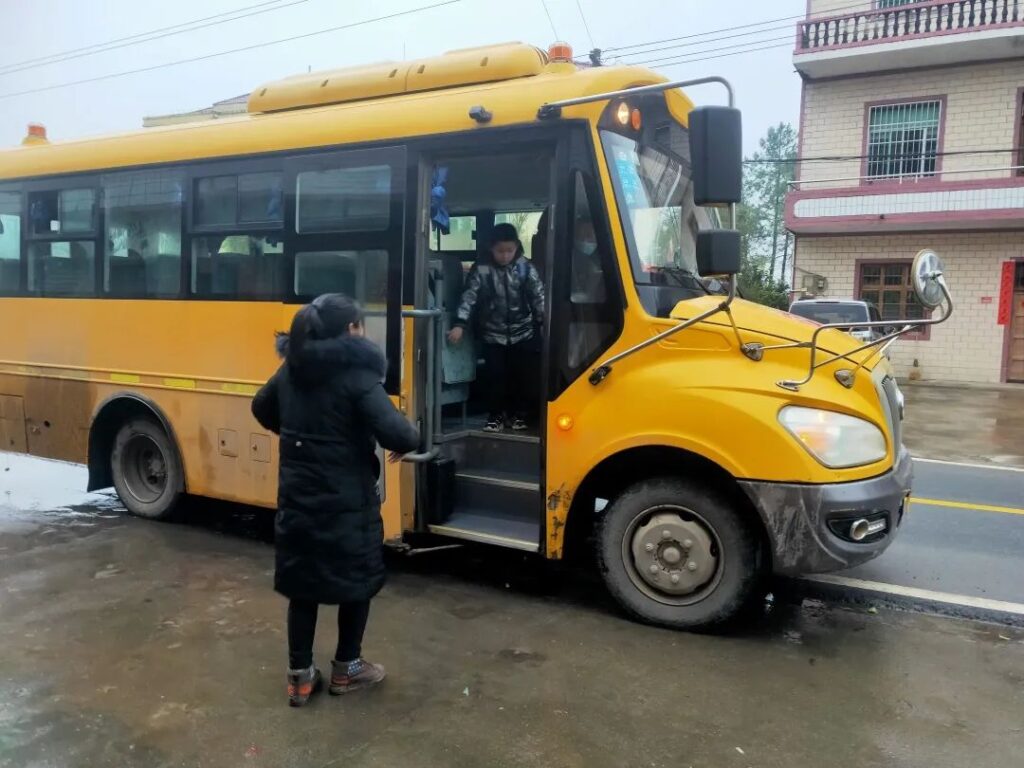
[
  {"x": 974, "y": 425},
  {"x": 128, "y": 643}
]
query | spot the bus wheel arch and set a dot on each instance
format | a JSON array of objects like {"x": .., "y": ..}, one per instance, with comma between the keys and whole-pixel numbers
[
  {"x": 658, "y": 476},
  {"x": 130, "y": 427}
]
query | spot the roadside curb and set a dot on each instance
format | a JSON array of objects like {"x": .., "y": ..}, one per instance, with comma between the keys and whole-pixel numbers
[
  {"x": 903, "y": 381},
  {"x": 864, "y": 593}
]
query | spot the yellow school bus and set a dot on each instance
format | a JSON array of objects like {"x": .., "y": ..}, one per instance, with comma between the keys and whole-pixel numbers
[{"x": 690, "y": 440}]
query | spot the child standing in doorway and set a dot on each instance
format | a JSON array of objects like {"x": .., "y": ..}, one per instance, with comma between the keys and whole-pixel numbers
[{"x": 506, "y": 296}]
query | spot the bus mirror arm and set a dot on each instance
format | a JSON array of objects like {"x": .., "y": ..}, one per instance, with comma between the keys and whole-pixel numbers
[
  {"x": 553, "y": 109},
  {"x": 881, "y": 344},
  {"x": 600, "y": 372}
]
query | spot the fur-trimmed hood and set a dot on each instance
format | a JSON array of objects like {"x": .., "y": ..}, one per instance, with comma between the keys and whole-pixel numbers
[{"x": 320, "y": 358}]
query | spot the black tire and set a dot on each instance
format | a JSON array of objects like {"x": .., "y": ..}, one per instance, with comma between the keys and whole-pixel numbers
[
  {"x": 147, "y": 470},
  {"x": 732, "y": 552}
]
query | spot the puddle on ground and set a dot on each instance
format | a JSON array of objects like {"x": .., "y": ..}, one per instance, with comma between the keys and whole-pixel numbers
[{"x": 40, "y": 494}]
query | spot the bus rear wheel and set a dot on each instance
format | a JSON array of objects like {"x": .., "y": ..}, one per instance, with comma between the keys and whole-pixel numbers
[
  {"x": 147, "y": 470},
  {"x": 678, "y": 554}
]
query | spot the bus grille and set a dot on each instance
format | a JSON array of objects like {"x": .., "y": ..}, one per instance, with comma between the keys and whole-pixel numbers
[{"x": 889, "y": 394}]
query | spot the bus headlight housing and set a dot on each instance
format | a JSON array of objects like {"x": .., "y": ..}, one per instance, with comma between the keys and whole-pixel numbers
[{"x": 834, "y": 439}]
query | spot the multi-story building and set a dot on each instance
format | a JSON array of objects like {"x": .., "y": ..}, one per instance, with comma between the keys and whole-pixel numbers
[{"x": 910, "y": 136}]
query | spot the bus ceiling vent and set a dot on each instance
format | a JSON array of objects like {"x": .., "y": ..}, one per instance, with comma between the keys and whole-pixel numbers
[
  {"x": 36, "y": 134},
  {"x": 468, "y": 66}
]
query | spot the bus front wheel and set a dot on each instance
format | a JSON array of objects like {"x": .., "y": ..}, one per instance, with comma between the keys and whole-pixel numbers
[
  {"x": 678, "y": 554},
  {"x": 146, "y": 469}
]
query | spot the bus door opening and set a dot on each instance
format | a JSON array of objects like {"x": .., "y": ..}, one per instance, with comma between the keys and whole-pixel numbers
[{"x": 485, "y": 485}]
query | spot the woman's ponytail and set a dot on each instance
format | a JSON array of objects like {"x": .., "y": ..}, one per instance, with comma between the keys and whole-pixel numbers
[{"x": 329, "y": 315}]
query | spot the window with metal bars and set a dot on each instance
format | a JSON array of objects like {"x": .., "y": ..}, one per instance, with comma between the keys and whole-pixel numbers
[
  {"x": 1019, "y": 158},
  {"x": 887, "y": 285},
  {"x": 903, "y": 139},
  {"x": 897, "y": 3}
]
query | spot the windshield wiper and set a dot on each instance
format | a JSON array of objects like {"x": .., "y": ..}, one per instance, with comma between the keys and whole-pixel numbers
[{"x": 682, "y": 273}]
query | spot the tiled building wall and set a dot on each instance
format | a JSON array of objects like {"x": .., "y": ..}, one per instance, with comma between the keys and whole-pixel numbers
[
  {"x": 969, "y": 346},
  {"x": 981, "y": 113},
  {"x": 819, "y": 8}
]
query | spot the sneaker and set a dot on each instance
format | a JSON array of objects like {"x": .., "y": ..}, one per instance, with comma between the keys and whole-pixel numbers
[
  {"x": 303, "y": 683},
  {"x": 494, "y": 424},
  {"x": 348, "y": 676},
  {"x": 518, "y": 424}
]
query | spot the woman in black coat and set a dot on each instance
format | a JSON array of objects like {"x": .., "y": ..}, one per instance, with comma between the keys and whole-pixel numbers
[{"x": 328, "y": 405}]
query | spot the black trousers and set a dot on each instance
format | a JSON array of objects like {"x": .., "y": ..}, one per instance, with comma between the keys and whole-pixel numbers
[
  {"x": 302, "y": 628},
  {"x": 511, "y": 377}
]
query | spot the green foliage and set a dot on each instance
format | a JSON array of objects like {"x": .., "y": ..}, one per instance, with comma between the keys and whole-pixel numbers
[{"x": 766, "y": 245}]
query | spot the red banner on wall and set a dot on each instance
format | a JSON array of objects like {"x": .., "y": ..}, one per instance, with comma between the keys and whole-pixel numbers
[{"x": 1006, "y": 292}]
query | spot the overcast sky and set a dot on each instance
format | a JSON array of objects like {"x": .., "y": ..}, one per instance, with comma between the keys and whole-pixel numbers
[{"x": 768, "y": 90}]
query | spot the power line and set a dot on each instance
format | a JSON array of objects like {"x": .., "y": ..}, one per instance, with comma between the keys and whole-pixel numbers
[
  {"x": 144, "y": 37},
  {"x": 717, "y": 56},
  {"x": 550, "y": 20},
  {"x": 205, "y": 57},
  {"x": 703, "y": 41},
  {"x": 858, "y": 6},
  {"x": 745, "y": 48},
  {"x": 586, "y": 26}
]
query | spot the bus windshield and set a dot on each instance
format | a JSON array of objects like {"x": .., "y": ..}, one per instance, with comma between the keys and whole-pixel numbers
[{"x": 655, "y": 197}]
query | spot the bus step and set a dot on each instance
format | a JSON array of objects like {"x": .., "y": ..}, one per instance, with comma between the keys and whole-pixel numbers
[
  {"x": 484, "y": 527},
  {"x": 499, "y": 478},
  {"x": 488, "y": 454},
  {"x": 503, "y": 496}
]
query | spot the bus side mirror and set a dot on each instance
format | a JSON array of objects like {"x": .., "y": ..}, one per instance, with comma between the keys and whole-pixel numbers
[
  {"x": 718, "y": 252},
  {"x": 716, "y": 155}
]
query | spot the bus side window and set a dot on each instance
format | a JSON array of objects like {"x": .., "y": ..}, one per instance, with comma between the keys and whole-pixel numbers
[
  {"x": 10, "y": 242},
  {"x": 62, "y": 242},
  {"x": 238, "y": 238},
  {"x": 142, "y": 242},
  {"x": 348, "y": 238}
]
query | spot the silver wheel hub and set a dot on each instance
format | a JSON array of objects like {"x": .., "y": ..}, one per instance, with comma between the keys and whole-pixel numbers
[{"x": 673, "y": 555}]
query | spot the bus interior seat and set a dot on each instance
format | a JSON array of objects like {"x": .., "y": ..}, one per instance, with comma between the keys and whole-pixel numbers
[
  {"x": 127, "y": 275},
  {"x": 458, "y": 362},
  {"x": 325, "y": 272},
  {"x": 68, "y": 275},
  {"x": 10, "y": 274},
  {"x": 224, "y": 275},
  {"x": 163, "y": 277}
]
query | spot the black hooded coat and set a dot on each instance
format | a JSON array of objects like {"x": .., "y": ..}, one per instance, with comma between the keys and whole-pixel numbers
[{"x": 330, "y": 409}]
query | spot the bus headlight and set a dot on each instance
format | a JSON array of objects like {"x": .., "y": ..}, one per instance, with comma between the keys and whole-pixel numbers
[{"x": 834, "y": 439}]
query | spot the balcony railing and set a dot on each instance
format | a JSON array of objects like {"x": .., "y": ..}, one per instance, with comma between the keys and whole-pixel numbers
[{"x": 915, "y": 19}]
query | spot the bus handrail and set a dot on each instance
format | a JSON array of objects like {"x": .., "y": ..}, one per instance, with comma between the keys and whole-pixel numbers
[{"x": 429, "y": 451}]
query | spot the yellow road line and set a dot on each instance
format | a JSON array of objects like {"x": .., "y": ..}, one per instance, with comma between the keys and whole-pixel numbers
[{"x": 966, "y": 505}]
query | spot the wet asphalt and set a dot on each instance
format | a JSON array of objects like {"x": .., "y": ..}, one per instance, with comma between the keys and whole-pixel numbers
[
  {"x": 128, "y": 643},
  {"x": 964, "y": 533}
]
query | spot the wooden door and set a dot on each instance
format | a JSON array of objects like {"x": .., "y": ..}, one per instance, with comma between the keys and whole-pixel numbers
[{"x": 1015, "y": 368}]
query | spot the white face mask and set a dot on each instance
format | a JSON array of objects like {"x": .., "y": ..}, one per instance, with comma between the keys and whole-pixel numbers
[{"x": 587, "y": 247}]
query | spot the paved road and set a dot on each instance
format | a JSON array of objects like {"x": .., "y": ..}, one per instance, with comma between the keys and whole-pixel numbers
[
  {"x": 964, "y": 535},
  {"x": 132, "y": 644}
]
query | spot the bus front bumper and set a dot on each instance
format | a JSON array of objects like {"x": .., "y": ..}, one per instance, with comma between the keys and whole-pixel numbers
[{"x": 808, "y": 525}]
